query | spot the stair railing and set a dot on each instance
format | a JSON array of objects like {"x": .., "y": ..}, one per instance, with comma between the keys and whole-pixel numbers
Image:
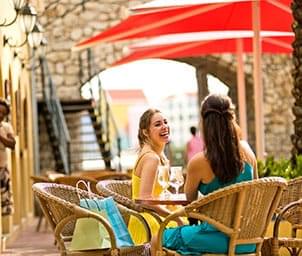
[
  {"x": 111, "y": 135},
  {"x": 106, "y": 122},
  {"x": 58, "y": 123},
  {"x": 111, "y": 120}
]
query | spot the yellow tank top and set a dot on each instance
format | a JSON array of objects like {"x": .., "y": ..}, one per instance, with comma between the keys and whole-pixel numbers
[{"x": 136, "y": 181}]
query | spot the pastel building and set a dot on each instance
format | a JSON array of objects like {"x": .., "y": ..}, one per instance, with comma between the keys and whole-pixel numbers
[{"x": 127, "y": 107}]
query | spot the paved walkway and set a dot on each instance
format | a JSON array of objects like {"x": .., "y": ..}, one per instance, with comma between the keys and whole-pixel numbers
[{"x": 32, "y": 243}]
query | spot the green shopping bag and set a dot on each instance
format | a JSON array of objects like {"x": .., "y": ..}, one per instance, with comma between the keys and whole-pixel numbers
[{"x": 90, "y": 234}]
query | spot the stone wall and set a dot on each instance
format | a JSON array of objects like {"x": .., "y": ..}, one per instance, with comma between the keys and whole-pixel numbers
[{"x": 69, "y": 21}]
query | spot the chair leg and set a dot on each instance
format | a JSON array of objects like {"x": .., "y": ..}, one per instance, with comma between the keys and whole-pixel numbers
[
  {"x": 39, "y": 223},
  {"x": 266, "y": 248}
]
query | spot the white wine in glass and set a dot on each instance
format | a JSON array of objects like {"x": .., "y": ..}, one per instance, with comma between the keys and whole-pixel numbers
[
  {"x": 163, "y": 178},
  {"x": 176, "y": 179}
]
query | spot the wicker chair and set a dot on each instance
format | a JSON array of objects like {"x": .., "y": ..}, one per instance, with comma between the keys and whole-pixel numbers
[
  {"x": 72, "y": 181},
  {"x": 289, "y": 210},
  {"x": 60, "y": 205},
  {"x": 242, "y": 211},
  {"x": 121, "y": 191}
]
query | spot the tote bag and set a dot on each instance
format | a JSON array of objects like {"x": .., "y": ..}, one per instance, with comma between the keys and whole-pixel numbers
[{"x": 91, "y": 234}]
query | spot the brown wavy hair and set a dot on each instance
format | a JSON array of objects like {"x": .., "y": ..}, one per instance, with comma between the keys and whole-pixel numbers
[
  {"x": 220, "y": 137},
  {"x": 144, "y": 125}
]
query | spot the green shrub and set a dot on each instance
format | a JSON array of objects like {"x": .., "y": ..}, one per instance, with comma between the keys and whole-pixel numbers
[{"x": 281, "y": 167}]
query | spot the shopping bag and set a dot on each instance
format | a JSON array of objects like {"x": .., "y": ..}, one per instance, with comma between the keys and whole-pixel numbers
[
  {"x": 117, "y": 222},
  {"x": 90, "y": 234}
]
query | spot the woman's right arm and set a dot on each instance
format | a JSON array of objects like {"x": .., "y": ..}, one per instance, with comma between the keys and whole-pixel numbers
[
  {"x": 249, "y": 157},
  {"x": 195, "y": 170}
]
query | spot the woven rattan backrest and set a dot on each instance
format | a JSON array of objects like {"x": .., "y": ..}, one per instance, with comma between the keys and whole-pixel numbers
[
  {"x": 72, "y": 181},
  {"x": 292, "y": 193},
  {"x": 57, "y": 202},
  {"x": 120, "y": 190},
  {"x": 244, "y": 208}
]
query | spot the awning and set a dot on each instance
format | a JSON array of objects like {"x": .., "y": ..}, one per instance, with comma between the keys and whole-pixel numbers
[
  {"x": 210, "y": 15},
  {"x": 202, "y": 43}
]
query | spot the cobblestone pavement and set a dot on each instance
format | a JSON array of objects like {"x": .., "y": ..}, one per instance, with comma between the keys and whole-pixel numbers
[{"x": 32, "y": 243}]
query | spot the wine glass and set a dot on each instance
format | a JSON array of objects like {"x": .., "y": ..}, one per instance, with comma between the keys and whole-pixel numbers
[
  {"x": 176, "y": 179},
  {"x": 163, "y": 178}
]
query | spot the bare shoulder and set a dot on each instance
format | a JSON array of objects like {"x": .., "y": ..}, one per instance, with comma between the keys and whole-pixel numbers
[
  {"x": 149, "y": 157},
  {"x": 246, "y": 150},
  {"x": 147, "y": 160},
  {"x": 248, "y": 155},
  {"x": 199, "y": 166}
]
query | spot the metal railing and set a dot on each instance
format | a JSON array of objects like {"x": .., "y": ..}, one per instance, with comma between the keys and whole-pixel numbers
[
  {"x": 110, "y": 137},
  {"x": 57, "y": 120}
]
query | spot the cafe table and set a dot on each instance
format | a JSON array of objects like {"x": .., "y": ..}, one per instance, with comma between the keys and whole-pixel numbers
[{"x": 169, "y": 199}]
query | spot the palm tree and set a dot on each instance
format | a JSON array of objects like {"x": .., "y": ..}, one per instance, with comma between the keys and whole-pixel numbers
[{"x": 297, "y": 78}]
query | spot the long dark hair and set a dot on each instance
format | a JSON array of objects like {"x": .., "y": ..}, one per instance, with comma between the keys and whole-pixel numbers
[{"x": 220, "y": 137}]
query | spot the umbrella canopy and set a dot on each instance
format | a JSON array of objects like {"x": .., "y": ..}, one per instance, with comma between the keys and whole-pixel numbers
[
  {"x": 214, "y": 42},
  {"x": 205, "y": 16},
  {"x": 209, "y": 15},
  {"x": 202, "y": 43}
]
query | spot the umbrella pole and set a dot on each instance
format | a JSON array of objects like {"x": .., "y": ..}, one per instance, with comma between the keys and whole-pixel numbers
[
  {"x": 258, "y": 89},
  {"x": 241, "y": 89}
]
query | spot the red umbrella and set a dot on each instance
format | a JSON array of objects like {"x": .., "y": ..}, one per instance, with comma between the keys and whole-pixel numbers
[
  {"x": 205, "y": 16},
  {"x": 209, "y": 15},
  {"x": 202, "y": 43}
]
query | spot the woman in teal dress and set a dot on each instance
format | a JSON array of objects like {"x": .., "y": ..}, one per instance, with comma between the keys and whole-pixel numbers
[{"x": 225, "y": 160}]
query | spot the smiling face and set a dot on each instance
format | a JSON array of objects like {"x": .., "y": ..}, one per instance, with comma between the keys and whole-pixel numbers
[{"x": 159, "y": 130}]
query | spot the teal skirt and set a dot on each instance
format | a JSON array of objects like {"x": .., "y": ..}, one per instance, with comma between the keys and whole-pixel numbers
[{"x": 198, "y": 239}]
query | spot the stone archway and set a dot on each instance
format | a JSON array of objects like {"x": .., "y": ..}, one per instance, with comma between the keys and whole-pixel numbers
[
  {"x": 225, "y": 70},
  {"x": 67, "y": 22}
]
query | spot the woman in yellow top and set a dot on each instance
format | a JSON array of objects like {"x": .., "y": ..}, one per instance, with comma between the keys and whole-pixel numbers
[{"x": 153, "y": 134}]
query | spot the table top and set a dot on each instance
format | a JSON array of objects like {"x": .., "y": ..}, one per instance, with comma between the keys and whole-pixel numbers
[{"x": 171, "y": 199}]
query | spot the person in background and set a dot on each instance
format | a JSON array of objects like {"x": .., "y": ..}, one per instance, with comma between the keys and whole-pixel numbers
[
  {"x": 194, "y": 145},
  {"x": 153, "y": 135},
  {"x": 7, "y": 140},
  {"x": 224, "y": 161}
]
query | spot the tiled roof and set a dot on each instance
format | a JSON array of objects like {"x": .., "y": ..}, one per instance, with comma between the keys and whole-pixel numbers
[{"x": 127, "y": 95}]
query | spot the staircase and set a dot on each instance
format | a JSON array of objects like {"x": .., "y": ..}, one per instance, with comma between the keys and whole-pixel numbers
[
  {"x": 82, "y": 133},
  {"x": 55, "y": 125},
  {"x": 88, "y": 150}
]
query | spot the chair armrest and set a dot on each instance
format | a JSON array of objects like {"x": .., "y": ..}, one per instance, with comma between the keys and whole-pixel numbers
[
  {"x": 125, "y": 210},
  {"x": 173, "y": 216},
  {"x": 287, "y": 210}
]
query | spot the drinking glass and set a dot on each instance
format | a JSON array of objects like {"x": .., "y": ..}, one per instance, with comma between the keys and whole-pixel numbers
[
  {"x": 176, "y": 179},
  {"x": 163, "y": 178}
]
